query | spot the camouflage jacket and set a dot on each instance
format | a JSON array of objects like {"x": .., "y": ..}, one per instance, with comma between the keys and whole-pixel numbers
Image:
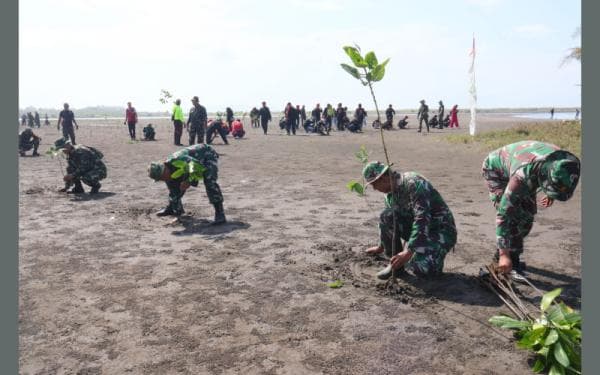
[
  {"x": 421, "y": 211},
  {"x": 82, "y": 160},
  {"x": 200, "y": 153},
  {"x": 514, "y": 176}
]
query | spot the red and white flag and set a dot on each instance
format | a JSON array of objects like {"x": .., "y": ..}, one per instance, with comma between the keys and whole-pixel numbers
[{"x": 473, "y": 91}]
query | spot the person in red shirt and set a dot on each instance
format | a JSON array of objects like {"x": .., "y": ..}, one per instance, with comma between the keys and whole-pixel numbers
[
  {"x": 454, "y": 116},
  {"x": 130, "y": 120},
  {"x": 237, "y": 129}
]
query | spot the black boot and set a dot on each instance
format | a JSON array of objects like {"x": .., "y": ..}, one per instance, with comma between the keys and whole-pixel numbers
[
  {"x": 95, "y": 188},
  {"x": 78, "y": 189},
  {"x": 219, "y": 214},
  {"x": 167, "y": 211}
]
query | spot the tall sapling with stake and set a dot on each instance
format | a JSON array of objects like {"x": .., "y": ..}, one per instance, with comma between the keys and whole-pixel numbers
[{"x": 368, "y": 71}]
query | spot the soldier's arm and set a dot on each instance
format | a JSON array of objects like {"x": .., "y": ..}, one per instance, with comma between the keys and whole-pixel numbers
[{"x": 58, "y": 122}]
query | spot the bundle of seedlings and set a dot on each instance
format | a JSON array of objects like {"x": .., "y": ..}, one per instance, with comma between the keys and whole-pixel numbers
[{"x": 551, "y": 331}]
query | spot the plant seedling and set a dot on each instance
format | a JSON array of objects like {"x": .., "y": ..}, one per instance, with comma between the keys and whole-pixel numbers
[{"x": 194, "y": 170}]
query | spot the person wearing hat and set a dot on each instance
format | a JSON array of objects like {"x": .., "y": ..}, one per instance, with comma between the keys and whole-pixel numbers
[
  {"x": 403, "y": 123},
  {"x": 84, "y": 164},
  {"x": 202, "y": 154},
  {"x": 149, "y": 133},
  {"x": 198, "y": 119},
  {"x": 28, "y": 140},
  {"x": 514, "y": 174},
  {"x": 177, "y": 118},
  {"x": 423, "y": 221},
  {"x": 423, "y": 115}
]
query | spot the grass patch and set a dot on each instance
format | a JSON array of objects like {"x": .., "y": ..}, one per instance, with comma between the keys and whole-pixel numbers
[{"x": 566, "y": 135}]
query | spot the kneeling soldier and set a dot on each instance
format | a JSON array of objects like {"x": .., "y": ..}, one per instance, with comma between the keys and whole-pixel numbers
[
  {"x": 27, "y": 141},
  {"x": 163, "y": 171},
  {"x": 423, "y": 220},
  {"x": 84, "y": 164}
]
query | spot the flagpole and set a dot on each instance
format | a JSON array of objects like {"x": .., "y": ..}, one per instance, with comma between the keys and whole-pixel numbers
[{"x": 473, "y": 92}]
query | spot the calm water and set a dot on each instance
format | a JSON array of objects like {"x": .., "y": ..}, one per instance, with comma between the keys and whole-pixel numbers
[{"x": 546, "y": 115}]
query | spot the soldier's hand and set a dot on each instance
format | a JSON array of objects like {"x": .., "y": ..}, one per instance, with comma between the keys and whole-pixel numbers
[
  {"x": 374, "y": 250},
  {"x": 183, "y": 186},
  {"x": 400, "y": 259},
  {"x": 504, "y": 263},
  {"x": 68, "y": 178},
  {"x": 546, "y": 201}
]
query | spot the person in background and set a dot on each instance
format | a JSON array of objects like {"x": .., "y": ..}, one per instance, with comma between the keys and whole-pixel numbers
[
  {"x": 403, "y": 123},
  {"x": 577, "y": 114},
  {"x": 551, "y": 113},
  {"x": 196, "y": 122},
  {"x": 131, "y": 120},
  {"x": 66, "y": 119},
  {"x": 423, "y": 115},
  {"x": 265, "y": 116},
  {"x": 389, "y": 114},
  {"x": 28, "y": 140},
  {"x": 149, "y": 133},
  {"x": 254, "y": 117},
  {"x": 454, "y": 116},
  {"x": 441, "y": 109},
  {"x": 303, "y": 115},
  {"x": 36, "y": 120},
  {"x": 178, "y": 119},
  {"x": 237, "y": 129},
  {"x": 229, "y": 116}
]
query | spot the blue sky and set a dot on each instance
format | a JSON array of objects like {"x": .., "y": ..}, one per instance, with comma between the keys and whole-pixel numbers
[{"x": 237, "y": 53}]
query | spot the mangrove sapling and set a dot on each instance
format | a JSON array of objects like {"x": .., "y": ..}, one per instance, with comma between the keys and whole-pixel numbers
[
  {"x": 368, "y": 71},
  {"x": 56, "y": 153},
  {"x": 554, "y": 337}
]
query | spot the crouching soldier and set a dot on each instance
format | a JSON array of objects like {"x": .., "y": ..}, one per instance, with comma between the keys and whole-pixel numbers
[
  {"x": 423, "y": 221},
  {"x": 149, "y": 133},
  {"x": 163, "y": 171},
  {"x": 27, "y": 141},
  {"x": 514, "y": 174},
  {"x": 84, "y": 164}
]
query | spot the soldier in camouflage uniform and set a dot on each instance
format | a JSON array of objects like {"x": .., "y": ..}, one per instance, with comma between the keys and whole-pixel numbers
[
  {"x": 84, "y": 164},
  {"x": 423, "y": 115},
  {"x": 202, "y": 154},
  {"x": 423, "y": 221},
  {"x": 27, "y": 141},
  {"x": 514, "y": 174}
]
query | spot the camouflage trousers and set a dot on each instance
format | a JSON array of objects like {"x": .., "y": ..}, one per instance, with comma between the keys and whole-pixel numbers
[
  {"x": 428, "y": 260},
  {"x": 213, "y": 191},
  {"x": 93, "y": 176}
]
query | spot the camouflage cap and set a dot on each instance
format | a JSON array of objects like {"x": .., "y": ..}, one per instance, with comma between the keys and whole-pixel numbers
[
  {"x": 563, "y": 176},
  {"x": 61, "y": 143},
  {"x": 155, "y": 170},
  {"x": 373, "y": 170}
]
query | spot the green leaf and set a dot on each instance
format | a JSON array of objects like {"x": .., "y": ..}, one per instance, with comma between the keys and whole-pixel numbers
[
  {"x": 371, "y": 60},
  {"x": 503, "y": 321},
  {"x": 548, "y": 298},
  {"x": 532, "y": 338},
  {"x": 351, "y": 70},
  {"x": 179, "y": 163},
  {"x": 539, "y": 366},
  {"x": 178, "y": 173},
  {"x": 560, "y": 355},
  {"x": 378, "y": 73},
  {"x": 356, "y": 187},
  {"x": 335, "y": 284},
  {"x": 362, "y": 155},
  {"x": 355, "y": 56},
  {"x": 383, "y": 64},
  {"x": 369, "y": 77},
  {"x": 544, "y": 351},
  {"x": 551, "y": 338},
  {"x": 556, "y": 370}
]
